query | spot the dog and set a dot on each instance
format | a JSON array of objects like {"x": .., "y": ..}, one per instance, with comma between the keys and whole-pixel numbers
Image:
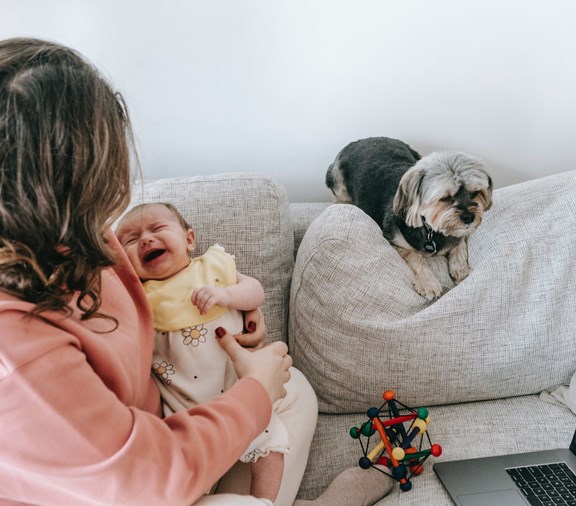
[{"x": 425, "y": 206}]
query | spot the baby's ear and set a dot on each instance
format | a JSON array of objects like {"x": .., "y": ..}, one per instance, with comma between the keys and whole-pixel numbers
[{"x": 191, "y": 240}]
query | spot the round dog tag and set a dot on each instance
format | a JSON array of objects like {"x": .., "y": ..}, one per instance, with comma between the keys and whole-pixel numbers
[{"x": 430, "y": 247}]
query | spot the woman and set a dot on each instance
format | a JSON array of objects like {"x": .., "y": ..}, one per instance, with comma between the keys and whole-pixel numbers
[{"x": 80, "y": 415}]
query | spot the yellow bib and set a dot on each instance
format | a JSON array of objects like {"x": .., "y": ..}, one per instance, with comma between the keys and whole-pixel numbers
[{"x": 170, "y": 298}]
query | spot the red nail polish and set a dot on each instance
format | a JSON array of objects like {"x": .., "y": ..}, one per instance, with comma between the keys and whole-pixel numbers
[
  {"x": 251, "y": 326},
  {"x": 220, "y": 332}
]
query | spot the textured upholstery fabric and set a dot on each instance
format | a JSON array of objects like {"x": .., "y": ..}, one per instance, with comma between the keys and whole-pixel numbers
[
  {"x": 357, "y": 327},
  {"x": 304, "y": 213},
  {"x": 246, "y": 214}
]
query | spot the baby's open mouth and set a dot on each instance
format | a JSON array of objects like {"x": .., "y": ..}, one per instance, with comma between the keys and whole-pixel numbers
[{"x": 152, "y": 255}]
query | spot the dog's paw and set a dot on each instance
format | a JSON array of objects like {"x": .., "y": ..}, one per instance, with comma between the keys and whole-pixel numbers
[
  {"x": 460, "y": 273},
  {"x": 429, "y": 288}
]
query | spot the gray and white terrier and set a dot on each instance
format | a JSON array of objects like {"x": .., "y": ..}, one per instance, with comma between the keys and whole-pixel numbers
[{"x": 425, "y": 206}]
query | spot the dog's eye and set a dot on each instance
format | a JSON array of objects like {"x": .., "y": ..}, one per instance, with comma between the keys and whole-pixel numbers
[
  {"x": 448, "y": 198},
  {"x": 473, "y": 195}
]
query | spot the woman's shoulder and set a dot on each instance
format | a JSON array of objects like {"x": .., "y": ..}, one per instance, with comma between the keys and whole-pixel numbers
[
  {"x": 13, "y": 307},
  {"x": 25, "y": 337}
]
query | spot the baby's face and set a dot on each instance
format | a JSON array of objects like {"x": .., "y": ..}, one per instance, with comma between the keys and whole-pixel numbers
[{"x": 155, "y": 242}]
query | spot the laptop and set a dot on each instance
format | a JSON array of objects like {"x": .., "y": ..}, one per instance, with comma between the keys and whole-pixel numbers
[{"x": 536, "y": 478}]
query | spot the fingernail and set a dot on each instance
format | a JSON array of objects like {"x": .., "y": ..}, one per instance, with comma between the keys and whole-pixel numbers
[
  {"x": 220, "y": 332},
  {"x": 251, "y": 326}
]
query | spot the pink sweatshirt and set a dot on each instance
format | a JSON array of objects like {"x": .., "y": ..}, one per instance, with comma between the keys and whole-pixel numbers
[{"x": 79, "y": 411}]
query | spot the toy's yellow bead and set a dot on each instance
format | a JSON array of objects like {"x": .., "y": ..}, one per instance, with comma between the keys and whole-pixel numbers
[
  {"x": 398, "y": 453},
  {"x": 421, "y": 425}
]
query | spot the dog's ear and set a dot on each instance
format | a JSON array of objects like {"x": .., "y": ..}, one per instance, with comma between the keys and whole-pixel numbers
[
  {"x": 407, "y": 201},
  {"x": 488, "y": 193}
]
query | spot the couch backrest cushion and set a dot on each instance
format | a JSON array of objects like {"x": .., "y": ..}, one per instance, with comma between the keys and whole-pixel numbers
[
  {"x": 249, "y": 216},
  {"x": 304, "y": 213},
  {"x": 357, "y": 327}
]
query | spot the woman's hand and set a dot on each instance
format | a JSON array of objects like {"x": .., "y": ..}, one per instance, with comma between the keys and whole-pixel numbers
[
  {"x": 269, "y": 364},
  {"x": 256, "y": 330}
]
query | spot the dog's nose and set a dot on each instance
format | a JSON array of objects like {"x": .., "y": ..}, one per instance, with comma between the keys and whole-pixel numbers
[{"x": 467, "y": 218}]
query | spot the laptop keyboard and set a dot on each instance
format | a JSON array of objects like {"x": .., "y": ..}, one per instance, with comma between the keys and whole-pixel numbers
[{"x": 547, "y": 484}]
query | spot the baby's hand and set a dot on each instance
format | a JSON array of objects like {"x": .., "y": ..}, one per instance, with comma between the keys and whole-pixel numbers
[{"x": 207, "y": 296}]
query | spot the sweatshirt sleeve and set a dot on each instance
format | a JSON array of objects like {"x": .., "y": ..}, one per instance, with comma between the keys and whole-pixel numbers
[{"x": 67, "y": 438}]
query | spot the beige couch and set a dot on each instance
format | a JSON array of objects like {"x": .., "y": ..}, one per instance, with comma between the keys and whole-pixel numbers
[{"x": 342, "y": 298}]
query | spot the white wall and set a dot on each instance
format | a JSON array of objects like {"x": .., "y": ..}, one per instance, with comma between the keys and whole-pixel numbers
[{"x": 280, "y": 86}]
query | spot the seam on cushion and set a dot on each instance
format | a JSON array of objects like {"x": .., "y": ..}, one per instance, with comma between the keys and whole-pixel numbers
[{"x": 287, "y": 266}]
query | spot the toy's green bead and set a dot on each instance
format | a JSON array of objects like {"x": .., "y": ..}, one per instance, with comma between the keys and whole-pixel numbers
[
  {"x": 367, "y": 429},
  {"x": 422, "y": 413},
  {"x": 354, "y": 433}
]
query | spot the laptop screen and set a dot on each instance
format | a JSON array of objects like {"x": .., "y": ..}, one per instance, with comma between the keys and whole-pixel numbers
[{"x": 573, "y": 444}]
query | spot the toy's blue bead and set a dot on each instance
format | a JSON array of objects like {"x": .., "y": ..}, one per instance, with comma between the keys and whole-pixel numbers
[
  {"x": 399, "y": 472},
  {"x": 406, "y": 486},
  {"x": 365, "y": 462},
  {"x": 372, "y": 412}
]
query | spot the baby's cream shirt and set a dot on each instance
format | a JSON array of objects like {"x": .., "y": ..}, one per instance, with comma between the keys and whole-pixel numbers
[{"x": 170, "y": 298}]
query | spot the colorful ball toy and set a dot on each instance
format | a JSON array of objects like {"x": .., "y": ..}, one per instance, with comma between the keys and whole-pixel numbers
[{"x": 401, "y": 431}]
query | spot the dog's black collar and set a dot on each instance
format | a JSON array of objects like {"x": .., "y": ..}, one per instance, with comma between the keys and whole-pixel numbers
[
  {"x": 424, "y": 238},
  {"x": 429, "y": 244}
]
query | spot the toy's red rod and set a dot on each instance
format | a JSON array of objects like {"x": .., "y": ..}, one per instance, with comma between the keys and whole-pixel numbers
[{"x": 400, "y": 419}]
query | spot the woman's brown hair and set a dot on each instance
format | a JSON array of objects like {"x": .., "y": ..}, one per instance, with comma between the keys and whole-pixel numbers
[{"x": 65, "y": 153}]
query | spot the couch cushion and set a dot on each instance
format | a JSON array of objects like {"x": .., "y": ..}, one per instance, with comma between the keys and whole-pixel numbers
[
  {"x": 304, "y": 213},
  {"x": 248, "y": 215},
  {"x": 357, "y": 327}
]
